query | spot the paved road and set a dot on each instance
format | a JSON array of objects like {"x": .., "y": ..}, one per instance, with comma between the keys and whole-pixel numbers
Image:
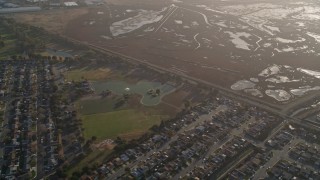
[
  {"x": 273, "y": 108},
  {"x": 300, "y": 102},
  {"x": 275, "y": 131},
  {"x": 235, "y": 164},
  {"x": 199, "y": 162},
  {"x": 226, "y": 91},
  {"x": 194, "y": 124},
  {"x": 234, "y": 132}
]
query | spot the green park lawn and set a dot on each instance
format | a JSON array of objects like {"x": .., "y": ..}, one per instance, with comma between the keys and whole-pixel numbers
[
  {"x": 93, "y": 157},
  {"x": 128, "y": 123},
  {"x": 96, "y": 106},
  {"x": 9, "y": 41},
  {"x": 87, "y": 73}
]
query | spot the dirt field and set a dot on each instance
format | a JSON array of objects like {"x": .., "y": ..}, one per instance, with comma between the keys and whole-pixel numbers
[{"x": 53, "y": 20}]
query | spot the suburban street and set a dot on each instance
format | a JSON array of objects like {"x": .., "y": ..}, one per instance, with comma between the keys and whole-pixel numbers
[
  {"x": 277, "y": 155},
  {"x": 166, "y": 145}
]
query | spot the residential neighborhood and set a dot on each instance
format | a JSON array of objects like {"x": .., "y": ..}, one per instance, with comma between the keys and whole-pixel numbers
[
  {"x": 210, "y": 142},
  {"x": 219, "y": 138},
  {"x": 159, "y": 90},
  {"x": 31, "y": 143}
]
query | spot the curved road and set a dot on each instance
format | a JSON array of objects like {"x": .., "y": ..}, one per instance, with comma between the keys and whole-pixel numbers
[
  {"x": 275, "y": 109},
  {"x": 225, "y": 91}
]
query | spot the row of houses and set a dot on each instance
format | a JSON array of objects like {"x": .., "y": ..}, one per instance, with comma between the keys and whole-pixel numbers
[
  {"x": 259, "y": 130},
  {"x": 288, "y": 170},
  {"x": 306, "y": 154},
  {"x": 18, "y": 156},
  {"x": 186, "y": 142},
  {"x": 248, "y": 167},
  {"x": 28, "y": 108},
  {"x": 155, "y": 160},
  {"x": 213, "y": 164},
  {"x": 281, "y": 139}
]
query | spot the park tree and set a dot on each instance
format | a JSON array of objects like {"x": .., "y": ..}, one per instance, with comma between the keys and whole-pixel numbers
[
  {"x": 126, "y": 96},
  {"x": 119, "y": 140},
  {"x": 88, "y": 143},
  {"x": 81, "y": 139},
  {"x": 158, "y": 91},
  {"x": 76, "y": 175},
  {"x": 187, "y": 104},
  {"x": 61, "y": 174},
  {"x": 127, "y": 169},
  {"x": 94, "y": 138},
  {"x": 162, "y": 124},
  {"x": 155, "y": 128},
  {"x": 14, "y": 57},
  {"x": 1, "y": 44}
]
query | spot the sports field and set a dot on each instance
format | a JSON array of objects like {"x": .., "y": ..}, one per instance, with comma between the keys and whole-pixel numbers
[
  {"x": 89, "y": 74},
  {"x": 128, "y": 124}
]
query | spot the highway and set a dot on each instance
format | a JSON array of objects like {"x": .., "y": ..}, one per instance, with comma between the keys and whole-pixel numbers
[
  {"x": 281, "y": 111},
  {"x": 278, "y": 110},
  {"x": 225, "y": 91}
]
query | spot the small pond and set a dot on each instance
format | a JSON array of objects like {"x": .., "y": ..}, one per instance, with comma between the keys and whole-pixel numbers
[{"x": 142, "y": 88}]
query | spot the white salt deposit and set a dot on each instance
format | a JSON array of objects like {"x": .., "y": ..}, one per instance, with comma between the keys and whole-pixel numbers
[
  {"x": 130, "y": 24},
  {"x": 281, "y": 79},
  {"x": 272, "y": 28},
  {"x": 222, "y": 24},
  {"x": 300, "y": 24},
  {"x": 149, "y": 29},
  {"x": 243, "y": 84},
  {"x": 291, "y": 49},
  {"x": 308, "y": 17},
  {"x": 254, "y": 80},
  {"x": 195, "y": 23},
  {"x": 279, "y": 94},
  {"x": 272, "y": 70},
  {"x": 254, "y": 92},
  {"x": 267, "y": 45},
  {"x": 315, "y": 36},
  {"x": 289, "y": 40},
  {"x": 237, "y": 41},
  {"x": 315, "y": 74},
  {"x": 178, "y": 21},
  {"x": 303, "y": 90},
  {"x": 106, "y": 37}
]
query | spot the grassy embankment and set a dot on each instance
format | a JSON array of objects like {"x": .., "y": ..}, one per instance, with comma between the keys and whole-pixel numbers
[{"x": 9, "y": 40}]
